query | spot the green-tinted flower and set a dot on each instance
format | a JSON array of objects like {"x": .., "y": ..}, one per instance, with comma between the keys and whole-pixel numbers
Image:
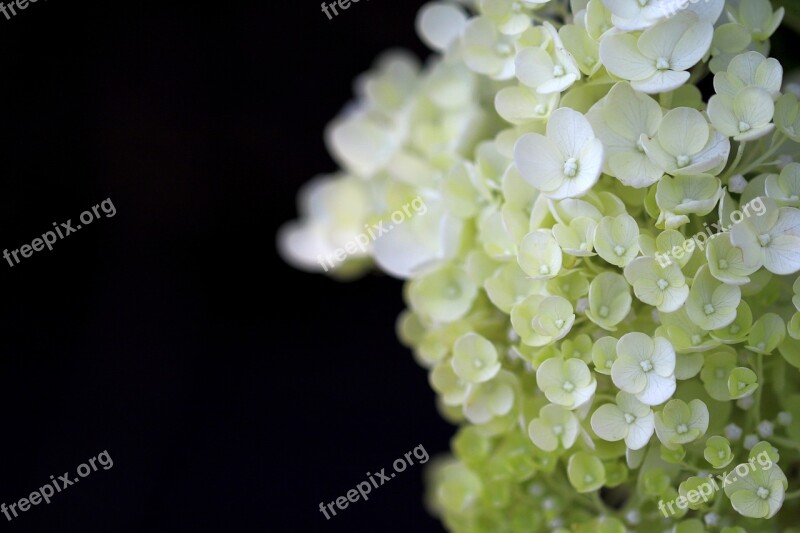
[
  {"x": 487, "y": 51},
  {"x": 728, "y": 263},
  {"x": 555, "y": 426},
  {"x": 663, "y": 287},
  {"x": 572, "y": 286},
  {"x": 539, "y": 255},
  {"x": 767, "y": 334},
  {"x": 578, "y": 348},
  {"x": 604, "y": 353},
  {"x": 577, "y": 238},
  {"x": 445, "y": 381},
  {"x": 681, "y": 423},
  {"x": 750, "y": 69},
  {"x": 616, "y": 239},
  {"x": 546, "y": 71},
  {"x": 586, "y": 472},
  {"x": 712, "y": 304},
  {"x": 509, "y": 285},
  {"x": 475, "y": 359},
  {"x": 609, "y": 300},
  {"x": 686, "y": 144},
  {"x": 565, "y": 163},
  {"x": 759, "y": 17},
  {"x": 718, "y": 452},
  {"x": 493, "y": 398},
  {"x": 444, "y": 295},
  {"x": 657, "y": 61},
  {"x": 772, "y": 237},
  {"x": 765, "y": 453},
  {"x": 696, "y": 491},
  {"x": 741, "y": 383},
  {"x": 738, "y": 330},
  {"x": 684, "y": 195},
  {"x": 747, "y": 116},
  {"x": 784, "y": 189},
  {"x": 568, "y": 383},
  {"x": 716, "y": 371},
  {"x": 619, "y": 120},
  {"x": 645, "y": 367},
  {"x": 629, "y": 419},
  {"x": 522, "y": 319},
  {"x": 756, "y": 492},
  {"x": 683, "y": 333},
  {"x": 787, "y": 116}
]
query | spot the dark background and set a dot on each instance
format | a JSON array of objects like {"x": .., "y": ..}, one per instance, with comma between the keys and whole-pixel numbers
[{"x": 232, "y": 393}]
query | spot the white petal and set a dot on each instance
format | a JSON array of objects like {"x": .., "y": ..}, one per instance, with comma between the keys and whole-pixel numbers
[
  {"x": 608, "y": 422},
  {"x": 663, "y": 357},
  {"x": 591, "y": 164},
  {"x": 539, "y": 161},
  {"x": 662, "y": 81},
  {"x": 569, "y": 130},
  {"x": 534, "y": 67},
  {"x": 440, "y": 24},
  {"x": 621, "y": 56},
  {"x": 628, "y": 375},
  {"x": 782, "y": 256},
  {"x": 693, "y": 45},
  {"x": 640, "y": 432},
  {"x": 658, "y": 390}
]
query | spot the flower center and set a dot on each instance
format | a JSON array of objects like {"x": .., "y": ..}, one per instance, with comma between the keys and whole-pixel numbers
[
  {"x": 629, "y": 418},
  {"x": 708, "y": 309},
  {"x": 643, "y": 3},
  {"x": 744, "y": 126},
  {"x": 588, "y": 478},
  {"x": 723, "y": 264},
  {"x": 478, "y": 364},
  {"x": 544, "y": 270},
  {"x": 603, "y": 312},
  {"x": 640, "y": 146},
  {"x": 571, "y": 167},
  {"x": 763, "y": 493},
  {"x": 719, "y": 373},
  {"x": 764, "y": 239},
  {"x": 558, "y": 71},
  {"x": 662, "y": 63},
  {"x": 662, "y": 284},
  {"x": 453, "y": 291},
  {"x": 721, "y": 454},
  {"x": 560, "y": 323},
  {"x": 681, "y": 429},
  {"x": 735, "y": 329},
  {"x": 683, "y": 161},
  {"x": 503, "y": 49},
  {"x": 619, "y": 250},
  {"x": 558, "y": 430},
  {"x": 540, "y": 109},
  {"x": 647, "y": 366},
  {"x": 696, "y": 339},
  {"x": 568, "y": 386}
]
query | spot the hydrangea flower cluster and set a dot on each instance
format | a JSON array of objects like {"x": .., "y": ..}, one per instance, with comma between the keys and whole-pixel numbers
[{"x": 563, "y": 150}]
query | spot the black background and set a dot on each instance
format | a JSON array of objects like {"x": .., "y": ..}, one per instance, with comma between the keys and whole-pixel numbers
[{"x": 232, "y": 392}]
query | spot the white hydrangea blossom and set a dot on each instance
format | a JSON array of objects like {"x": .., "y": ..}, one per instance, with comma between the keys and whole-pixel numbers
[{"x": 597, "y": 226}]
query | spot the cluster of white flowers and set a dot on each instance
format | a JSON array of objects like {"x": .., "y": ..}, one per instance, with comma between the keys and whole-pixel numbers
[{"x": 560, "y": 147}]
